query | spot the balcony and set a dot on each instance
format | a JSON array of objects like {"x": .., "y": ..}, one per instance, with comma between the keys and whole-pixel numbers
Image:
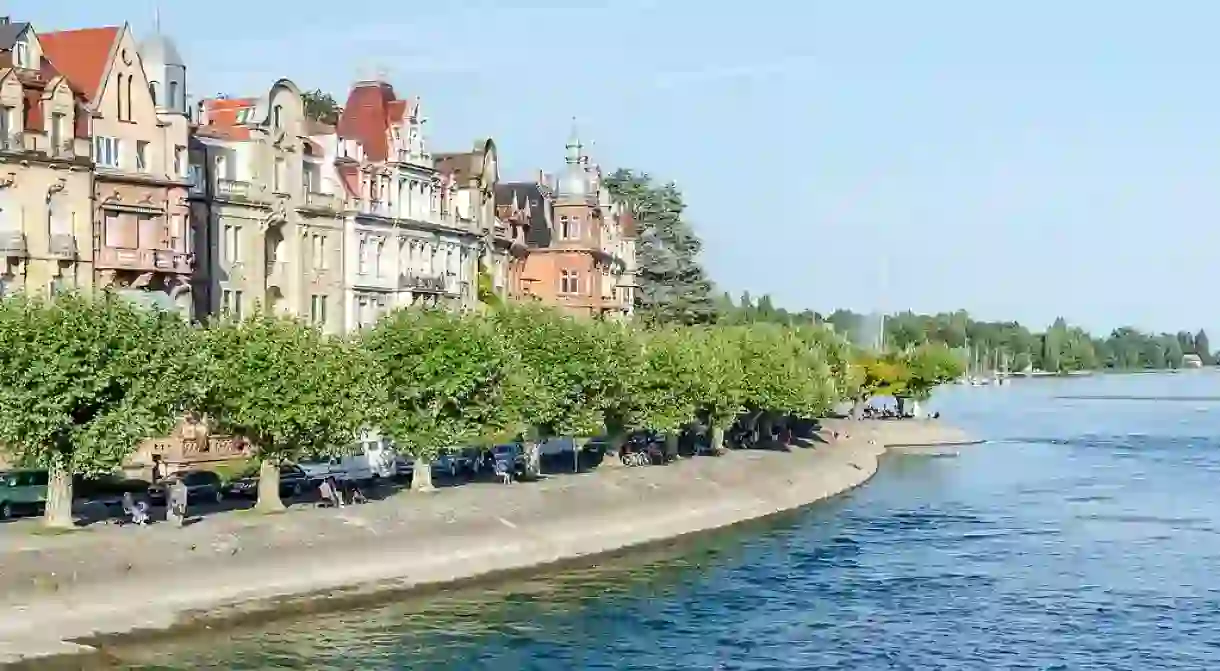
[
  {"x": 157, "y": 260},
  {"x": 232, "y": 188},
  {"x": 429, "y": 284},
  {"x": 63, "y": 245},
  {"x": 12, "y": 244},
  {"x": 323, "y": 201}
]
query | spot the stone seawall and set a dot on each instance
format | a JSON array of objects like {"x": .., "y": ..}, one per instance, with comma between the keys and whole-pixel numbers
[{"x": 58, "y": 589}]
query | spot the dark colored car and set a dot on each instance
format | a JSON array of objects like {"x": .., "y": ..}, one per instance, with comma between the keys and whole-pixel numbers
[
  {"x": 512, "y": 454},
  {"x": 22, "y": 491},
  {"x": 201, "y": 487},
  {"x": 293, "y": 482}
]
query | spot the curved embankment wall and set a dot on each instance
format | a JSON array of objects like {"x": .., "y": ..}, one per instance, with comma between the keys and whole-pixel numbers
[{"x": 118, "y": 580}]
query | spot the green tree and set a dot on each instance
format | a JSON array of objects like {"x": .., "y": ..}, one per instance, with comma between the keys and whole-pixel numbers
[
  {"x": 1203, "y": 348},
  {"x": 672, "y": 382},
  {"x": 84, "y": 379},
  {"x": 927, "y": 367},
  {"x": 674, "y": 288},
  {"x": 448, "y": 379},
  {"x": 321, "y": 106},
  {"x": 573, "y": 369},
  {"x": 723, "y": 378},
  {"x": 290, "y": 390}
]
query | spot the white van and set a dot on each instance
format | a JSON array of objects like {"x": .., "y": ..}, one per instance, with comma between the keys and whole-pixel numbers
[{"x": 374, "y": 459}]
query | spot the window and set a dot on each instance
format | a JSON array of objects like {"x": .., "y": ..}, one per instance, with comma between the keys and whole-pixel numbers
[
  {"x": 277, "y": 117},
  {"x": 379, "y": 252},
  {"x": 317, "y": 309},
  {"x": 280, "y": 176},
  {"x": 222, "y": 166},
  {"x": 6, "y": 125},
  {"x": 179, "y": 161},
  {"x": 231, "y": 251},
  {"x": 569, "y": 282},
  {"x": 172, "y": 101},
  {"x": 22, "y": 51},
  {"x": 120, "y": 231},
  {"x": 59, "y": 219},
  {"x": 142, "y": 155},
  {"x": 230, "y": 303},
  {"x": 129, "y": 83},
  {"x": 106, "y": 151},
  {"x": 176, "y": 242},
  {"x": 569, "y": 228},
  {"x": 363, "y": 258},
  {"x": 57, "y": 131},
  {"x": 149, "y": 235},
  {"x": 118, "y": 97}
]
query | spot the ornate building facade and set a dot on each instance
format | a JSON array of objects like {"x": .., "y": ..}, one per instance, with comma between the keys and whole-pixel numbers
[
  {"x": 267, "y": 208},
  {"x": 46, "y": 227},
  {"x": 407, "y": 241},
  {"x": 140, "y": 239},
  {"x": 581, "y": 243}
]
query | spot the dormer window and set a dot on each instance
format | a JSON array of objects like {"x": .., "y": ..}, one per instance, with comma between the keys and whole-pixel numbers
[{"x": 21, "y": 53}]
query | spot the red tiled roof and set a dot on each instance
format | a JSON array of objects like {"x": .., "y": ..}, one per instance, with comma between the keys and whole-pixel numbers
[
  {"x": 371, "y": 109},
  {"x": 224, "y": 118},
  {"x": 81, "y": 55}
]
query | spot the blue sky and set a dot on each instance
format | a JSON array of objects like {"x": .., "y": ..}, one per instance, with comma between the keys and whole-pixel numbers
[{"x": 1019, "y": 160}]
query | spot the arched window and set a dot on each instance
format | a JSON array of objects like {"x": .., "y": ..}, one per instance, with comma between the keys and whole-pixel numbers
[
  {"x": 130, "y": 80},
  {"x": 172, "y": 101},
  {"x": 118, "y": 98},
  {"x": 277, "y": 114}
]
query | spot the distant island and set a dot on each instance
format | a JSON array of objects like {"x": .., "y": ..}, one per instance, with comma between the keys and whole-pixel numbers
[{"x": 996, "y": 345}]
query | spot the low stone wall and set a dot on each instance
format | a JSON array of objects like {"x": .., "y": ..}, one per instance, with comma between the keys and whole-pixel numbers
[{"x": 116, "y": 580}]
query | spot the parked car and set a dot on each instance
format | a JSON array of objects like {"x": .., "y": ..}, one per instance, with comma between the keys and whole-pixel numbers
[
  {"x": 353, "y": 468},
  {"x": 22, "y": 491},
  {"x": 293, "y": 482},
  {"x": 201, "y": 487},
  {"x": 512, "y": 453}
]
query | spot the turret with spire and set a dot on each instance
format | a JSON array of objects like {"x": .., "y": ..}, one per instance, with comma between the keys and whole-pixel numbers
[
  {"x": 165, "y": 69},
  {"x": 574, "y": 183}
]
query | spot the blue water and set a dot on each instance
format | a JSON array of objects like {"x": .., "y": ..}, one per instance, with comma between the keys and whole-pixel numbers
[{"x": 1085, "y": 536}]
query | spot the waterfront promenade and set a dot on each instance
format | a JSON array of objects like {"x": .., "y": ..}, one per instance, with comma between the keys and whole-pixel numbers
[{"x": 109, "y": 580}]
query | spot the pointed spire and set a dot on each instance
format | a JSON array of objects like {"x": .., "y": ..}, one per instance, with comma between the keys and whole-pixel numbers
[
  {"x": 574, "y": 146},
  {"x": 157, "y": 18}
]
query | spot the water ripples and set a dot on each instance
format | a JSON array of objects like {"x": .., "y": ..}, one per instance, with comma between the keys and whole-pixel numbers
[{"x": 1088, "y": 550}]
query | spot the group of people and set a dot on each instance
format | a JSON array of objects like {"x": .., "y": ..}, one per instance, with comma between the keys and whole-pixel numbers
[{"x": 338, "y": 494}]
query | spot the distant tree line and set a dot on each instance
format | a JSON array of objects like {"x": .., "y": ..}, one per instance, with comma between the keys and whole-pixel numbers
[{"x": 1061, "y": 347}]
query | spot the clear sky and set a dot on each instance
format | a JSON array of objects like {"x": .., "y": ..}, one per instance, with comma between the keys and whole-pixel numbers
[{"x": 1019, "y": 160}]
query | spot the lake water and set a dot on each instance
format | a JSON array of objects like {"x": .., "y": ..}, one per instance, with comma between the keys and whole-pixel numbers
[{"x": 1086, "y": 535}]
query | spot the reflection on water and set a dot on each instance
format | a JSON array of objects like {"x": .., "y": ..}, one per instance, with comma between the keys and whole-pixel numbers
[{"x": 1084, "y": 537}]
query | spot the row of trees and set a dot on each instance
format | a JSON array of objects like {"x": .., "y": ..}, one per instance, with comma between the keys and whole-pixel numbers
[
  {"x": 84, "y": 379},
  {"x": 1061, "y": 347}
]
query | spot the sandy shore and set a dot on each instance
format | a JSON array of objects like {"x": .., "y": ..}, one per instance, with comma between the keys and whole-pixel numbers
[{"x": 55, "y": 590}]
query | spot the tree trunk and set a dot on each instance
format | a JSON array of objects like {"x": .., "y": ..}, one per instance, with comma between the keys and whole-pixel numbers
[
  {"x": 578, "y": 445},
  {"x": 58, "y": 513},
  {"x": 765, "y": 425},
  {"x": 902, "y": 406},
  {"x": 614, "y": 452},
  {"x": 269, "y": 487},
  {"x": 421, "y": 475},
  {"x": 717, "y": 440},
  {"x": 533, "y": 458},
  {"x": 671, "y": 446},
  {"x": 857, "y": 408}
]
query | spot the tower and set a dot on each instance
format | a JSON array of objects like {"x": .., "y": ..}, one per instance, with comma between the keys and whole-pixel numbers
[{"x": 166, "y": 71}]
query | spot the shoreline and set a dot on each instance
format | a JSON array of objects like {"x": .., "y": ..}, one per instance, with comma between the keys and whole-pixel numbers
[{"x": 67, "y": 595}]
